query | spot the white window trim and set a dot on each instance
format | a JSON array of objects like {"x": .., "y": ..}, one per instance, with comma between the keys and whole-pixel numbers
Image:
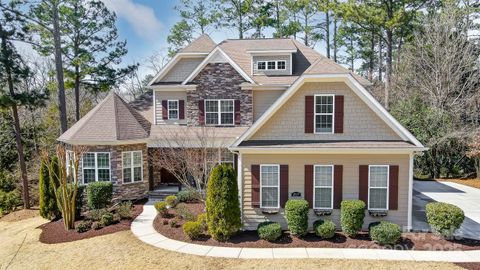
[
  {"x": 387, "y": 188},
  {"x": 132, "y": 167},
  {"x": 96, "y": 166},
  {"x": 219, "y": 112},
  {"x": 219, "y": 156},
  {"x": 276, "y": 64},
  {"x": 277, "y": 186},
  {"x": 314, "y": 187},
  {"x": 315, "y": 113},
  {"x": 177, "y": 109}
]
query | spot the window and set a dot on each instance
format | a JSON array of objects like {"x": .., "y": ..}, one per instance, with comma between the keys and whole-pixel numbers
[
  {"x": 96, "y": 167},
  {"x": 324, "y": 110},
  {"x": 378, "y": 187},
  {"x": 219, "y": 156},
  {"x": 261, "y": 65},
  {"x": 269, "y": 186},
  {"x": 132, "y": 166},
  {"x": 69, "y": 158},
  {"x": 219, "y": 112},
  {"x": 173, "y": 109},
  {"x": 281, "y": 65},
  {"x": 271, "y": 65},
  {"x": 323, "y": 187}
]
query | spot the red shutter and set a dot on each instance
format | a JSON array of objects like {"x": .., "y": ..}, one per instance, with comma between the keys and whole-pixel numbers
[
  {"x": 363, "y": 183},
  {"x": 165, "y": 109},
  {"x": 255, "y": 170},
  {"x": 283, "y": 185},
  {"x": 181, "y": 109},
  {"x": 309, "y": 114},
  {"x": 393, "y": 188},
  {"x": 201, "y": 112},
  {"x": 237, "y": 112},
  {"x": 309, "y": 185},
  {"x": 338, "y": 122},
  {"x": 337, "y": 186}
]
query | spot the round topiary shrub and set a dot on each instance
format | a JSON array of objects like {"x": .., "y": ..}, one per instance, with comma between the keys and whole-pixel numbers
[
  {"x": 352, "y": 213},
  {"x": 324, "y": 228},
  {"x": 269, "y": 231},
  {"x": 99, "y": 194},
  {"x": 192, "y": 229},
  {"x": 171, "y": 200},
  {"x": 223, "y": 209},
  {"x": 444, "y": 218},
  {"x": 384, "y": 232},
  {"x": 161, "y": 208},
  {"x": 296, "y": 212}
]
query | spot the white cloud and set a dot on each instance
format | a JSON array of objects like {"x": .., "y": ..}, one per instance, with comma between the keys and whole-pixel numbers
[{"x": 141, "y": 17}]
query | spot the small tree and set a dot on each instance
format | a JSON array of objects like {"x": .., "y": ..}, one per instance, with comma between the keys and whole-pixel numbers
[
  {"x": 48, "y": 201},
  {"x": 66, "y": 193},
  {"x": 223, "y": 208}
]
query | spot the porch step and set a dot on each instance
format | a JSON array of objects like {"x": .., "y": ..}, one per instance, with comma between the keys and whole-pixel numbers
[{"x": 160, "y": 195}]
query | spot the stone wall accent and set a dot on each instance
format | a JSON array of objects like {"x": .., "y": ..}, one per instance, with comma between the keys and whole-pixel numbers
[{"x": 219, "y": 81}]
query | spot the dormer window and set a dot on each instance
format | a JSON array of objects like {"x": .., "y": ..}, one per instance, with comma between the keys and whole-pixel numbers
[{"x": 272, "y": 65}]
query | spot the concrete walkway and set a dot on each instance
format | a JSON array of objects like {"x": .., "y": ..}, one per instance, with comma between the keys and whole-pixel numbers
[
  {"x": 465, "y": 197},
  {"x": 142, "y": 227}
]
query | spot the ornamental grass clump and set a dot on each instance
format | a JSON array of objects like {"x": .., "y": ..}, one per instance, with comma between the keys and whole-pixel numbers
[{"x": 296, "y": 212}]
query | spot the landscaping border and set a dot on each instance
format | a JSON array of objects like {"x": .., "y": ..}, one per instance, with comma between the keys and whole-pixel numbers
[{"x": 142, "y": 228}]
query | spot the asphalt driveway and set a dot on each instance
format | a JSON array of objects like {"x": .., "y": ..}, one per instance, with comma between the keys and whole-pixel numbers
[{"x": 465, "y": 197}]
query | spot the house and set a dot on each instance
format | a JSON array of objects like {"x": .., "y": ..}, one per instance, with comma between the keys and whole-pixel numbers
[{"x": 292, "y": 122}]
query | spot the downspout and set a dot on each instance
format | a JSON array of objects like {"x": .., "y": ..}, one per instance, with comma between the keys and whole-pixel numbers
[
  {"x": 410, "y": 192},
  {"x": 240, "y": 183}
]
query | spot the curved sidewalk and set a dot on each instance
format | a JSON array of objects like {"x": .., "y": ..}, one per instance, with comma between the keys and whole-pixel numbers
[{"x": 142, "y": 227}]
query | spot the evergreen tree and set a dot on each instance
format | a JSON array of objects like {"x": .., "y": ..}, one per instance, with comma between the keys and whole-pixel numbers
[{"x": 47, "y": 186}]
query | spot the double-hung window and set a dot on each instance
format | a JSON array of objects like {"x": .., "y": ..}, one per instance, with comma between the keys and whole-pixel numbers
[
  {"x": 173, "y": 109},
  {"x": 378, "y": 187},
  {"x": 323, "y": 187},
  {"x": 219, "y": 112},
  {"x": 96, "y": 167},
  {"x": 269, "y": 186},
  {"x": 324, "y": 111},
  {"x": 132, "y": 166}
]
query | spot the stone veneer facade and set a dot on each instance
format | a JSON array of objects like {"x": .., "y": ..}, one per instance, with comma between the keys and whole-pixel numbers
[
  {"x": 219, "y": 81},
  {"x": 123, "y": 191}
]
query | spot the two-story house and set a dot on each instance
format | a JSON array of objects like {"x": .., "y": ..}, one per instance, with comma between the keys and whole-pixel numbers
[{"x": 294, "y": 123}]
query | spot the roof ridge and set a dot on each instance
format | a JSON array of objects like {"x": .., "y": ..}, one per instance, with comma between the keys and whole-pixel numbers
[
  {"x": 138, "y": 117},
  {"x": 115, "y": 107}
]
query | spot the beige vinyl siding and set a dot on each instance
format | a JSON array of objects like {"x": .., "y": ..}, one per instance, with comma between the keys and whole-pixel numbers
[
  {"x": 360, "y": 122},
  {"x": 257, "y": 58},
  {"x": 262, "y": 100},
  {"x": 296, "y": 170},
  {"x": 168, "y": 95},
  {"x": 182, "y": 69}
]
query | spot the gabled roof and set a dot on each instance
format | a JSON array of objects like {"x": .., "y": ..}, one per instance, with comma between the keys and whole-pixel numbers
[
  {"x": 203, "y": 44},
  {"x": 111, "y": 121},
  {"x": 353, "y": 84}
]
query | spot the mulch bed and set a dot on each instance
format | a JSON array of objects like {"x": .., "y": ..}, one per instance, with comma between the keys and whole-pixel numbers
[
  {"x": 469, "y": 266},
  {"x": 409, "y": 241},
  {"x": 54, "y": 232}
]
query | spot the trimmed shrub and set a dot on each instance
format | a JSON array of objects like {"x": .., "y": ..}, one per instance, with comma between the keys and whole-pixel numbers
[
  {"x": 96, "y": 214},
  {"x": 269, "y": 231},
  {"x": 444, "y": 218},
  {"x": 189, "y": 195},
  {"x": 223, "y": 209},
  {"x": 352, "y": 213},
  {"x": 84, "y": 226},
  {"x": 384, "y": 232},
  {"x": 296, "y": 212},
  {"x": 171, "y": 201},
  {"x": 124, "y": 209},
  {"x": 9, "y": 201},
  {"x": 161, "y": 208},
  {"x": 192, "y": 229},
  {"x": 324, "y": 228},
  {"x": 97, "y": 225},
  {"x": 99, "y": 194},
  {"x": 48, "y": 200},
  {"x": 184, "y": 213},
  {"x": 107, "y": 219},
  {"x": 203, "y": 220}
]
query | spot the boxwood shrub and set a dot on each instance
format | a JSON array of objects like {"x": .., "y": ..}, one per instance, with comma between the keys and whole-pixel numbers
[
  {"x": 352, "y": 213},
  {"x": 324, "y": 228},
  {"x": 171, "y": 201},
  {"x": 161, "y": 208},
  {"x": 296, "y": 212},
  {"x": 384, "y": 232},
  {"x": 99, "y": 194},
  {"x": 444, "y": 218},
  {"x": 269, "y": 230},
  {"x": 192, "y": 229}
]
